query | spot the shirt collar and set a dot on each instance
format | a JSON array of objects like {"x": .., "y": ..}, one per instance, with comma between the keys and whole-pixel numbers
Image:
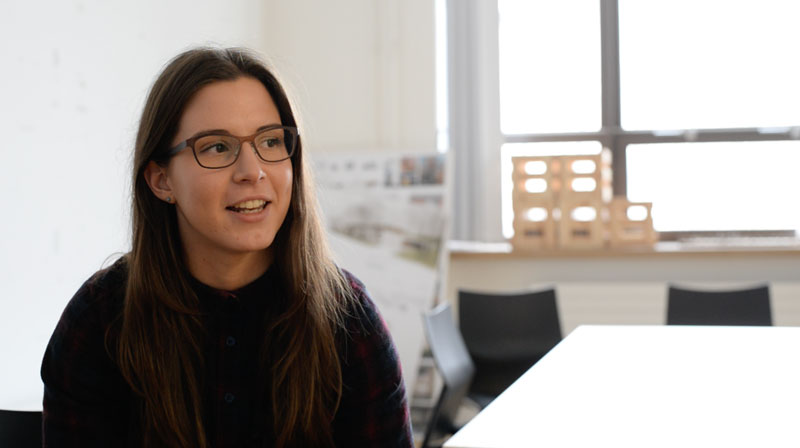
[{"x": 267, "y": 281}]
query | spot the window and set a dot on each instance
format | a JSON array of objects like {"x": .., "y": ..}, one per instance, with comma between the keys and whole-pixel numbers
[
  {"x": 728, "y": 186},
  {"x": 698, "y": 100},
  {"x": 689, "y": 64},
  {"x": 549, "y": 61}
]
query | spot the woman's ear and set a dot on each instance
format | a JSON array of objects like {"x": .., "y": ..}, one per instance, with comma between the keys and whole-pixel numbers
[{"x": 156, "y": 177}]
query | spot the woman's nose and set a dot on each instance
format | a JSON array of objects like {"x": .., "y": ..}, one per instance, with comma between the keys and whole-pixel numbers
[{"x": 249, "y": 167}]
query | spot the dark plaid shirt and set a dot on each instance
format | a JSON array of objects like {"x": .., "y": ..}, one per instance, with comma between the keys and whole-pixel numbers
[{"x": 87, "y": 402}]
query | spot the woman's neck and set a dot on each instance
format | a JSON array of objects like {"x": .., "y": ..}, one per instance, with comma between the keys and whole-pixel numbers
[{"x": 228, "y": 271}]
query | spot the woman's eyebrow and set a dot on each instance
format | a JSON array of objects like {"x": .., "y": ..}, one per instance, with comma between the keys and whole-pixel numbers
[
  {"x": 268, "y": 126},
  {"x": 226, "y": 132},
  {"x": 209, "y": 132}
]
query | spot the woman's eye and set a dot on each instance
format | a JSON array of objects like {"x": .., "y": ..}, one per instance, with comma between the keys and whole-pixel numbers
[
  {"x": 270, "y": 142},
  {"x": 216, "y": 148}
]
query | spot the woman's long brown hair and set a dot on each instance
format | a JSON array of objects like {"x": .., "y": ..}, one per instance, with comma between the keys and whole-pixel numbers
[{"x": 160, "y": 348}]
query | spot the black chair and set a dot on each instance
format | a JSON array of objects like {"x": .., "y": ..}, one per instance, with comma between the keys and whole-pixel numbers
[
  {"x": 739, "y": 307},
  {"x": 20, "y": 429},
  {"x": 506, "y": 334},
  {"x": 454, "y": 365}
]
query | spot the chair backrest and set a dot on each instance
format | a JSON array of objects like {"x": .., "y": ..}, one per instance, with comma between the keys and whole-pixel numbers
[
  {"x": 739, "y": 307},
  {"x": 453, "y": 363},
  {"x": 509, "y": 326},
  {"x": 20, "y": 429},
  {"x": 505, "y": 335}
]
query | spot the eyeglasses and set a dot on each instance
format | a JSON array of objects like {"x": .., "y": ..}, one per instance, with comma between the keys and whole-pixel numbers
[{"x": 215, "y": 150}]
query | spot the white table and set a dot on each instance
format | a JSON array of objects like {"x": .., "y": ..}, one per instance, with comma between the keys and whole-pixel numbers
[{"x": 651, "y": 386}]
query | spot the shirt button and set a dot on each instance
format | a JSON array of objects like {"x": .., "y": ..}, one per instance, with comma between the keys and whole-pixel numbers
[
  {"x": 231, "y": 341},
  {"x": 229, "y": 397}
]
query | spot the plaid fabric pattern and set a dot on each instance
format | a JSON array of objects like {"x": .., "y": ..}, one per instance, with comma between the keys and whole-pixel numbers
[{"x": 87, "y": 402}]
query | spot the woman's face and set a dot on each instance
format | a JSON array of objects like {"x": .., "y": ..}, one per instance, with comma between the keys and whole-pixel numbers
[{"x": 233, "y": 210}]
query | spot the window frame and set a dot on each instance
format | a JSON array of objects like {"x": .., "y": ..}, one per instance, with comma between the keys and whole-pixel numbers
[{"x": 614, "y": 137}]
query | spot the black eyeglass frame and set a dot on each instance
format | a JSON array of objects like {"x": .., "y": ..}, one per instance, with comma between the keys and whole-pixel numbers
[{"x": 189, "y": 142}]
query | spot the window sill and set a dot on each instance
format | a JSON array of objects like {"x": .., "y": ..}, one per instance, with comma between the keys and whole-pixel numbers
[{"x": 717, "y": 247}]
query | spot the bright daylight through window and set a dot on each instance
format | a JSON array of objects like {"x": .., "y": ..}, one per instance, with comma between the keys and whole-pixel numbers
[{"x": 705, "y": 109}]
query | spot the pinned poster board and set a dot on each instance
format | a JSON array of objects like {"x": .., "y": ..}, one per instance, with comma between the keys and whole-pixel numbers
[{"x": 385, "y": 219}]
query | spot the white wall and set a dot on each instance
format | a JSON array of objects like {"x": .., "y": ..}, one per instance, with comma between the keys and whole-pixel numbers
[
  {"x": 75, "y": 74},
  {"x": 364, "y": 71}
]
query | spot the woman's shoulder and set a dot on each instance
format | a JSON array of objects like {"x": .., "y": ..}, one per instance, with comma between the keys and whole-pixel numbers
[
  {"x": 365, "y": 325},
  {"x": 373, "y": 409},
  {"x": 111, "y": 277},
  {"x": 100, "y": 296},
  {"x": 358, "y": 288},
  {"x": 361, "y": 308},
  {"x": 83, "y": 388}
]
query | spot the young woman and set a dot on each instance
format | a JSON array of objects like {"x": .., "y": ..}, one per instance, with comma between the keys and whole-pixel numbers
[{"x": 227, "y": 324}]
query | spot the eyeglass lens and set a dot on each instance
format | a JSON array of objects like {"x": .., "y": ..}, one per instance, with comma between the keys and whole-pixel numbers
[{"x": 215, "y": 151}]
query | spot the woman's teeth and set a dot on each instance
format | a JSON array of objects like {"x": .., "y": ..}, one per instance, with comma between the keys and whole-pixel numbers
[{"x": 252, "y": 206}]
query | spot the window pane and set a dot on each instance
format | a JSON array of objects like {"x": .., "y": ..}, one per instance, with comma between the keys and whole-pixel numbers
[
  {"x": 717, "y": 186},
  {"x": 549, "y": 66},
  {"x": 510, "y": 150},
  {"x": 687, "y": 64}
]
